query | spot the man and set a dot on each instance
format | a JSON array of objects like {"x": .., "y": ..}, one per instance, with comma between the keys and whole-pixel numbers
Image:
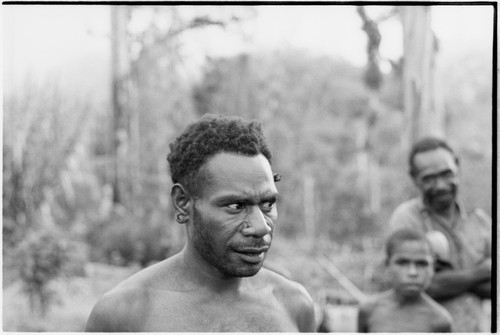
[
  {"x": 224, "y": 193},
  {"x": 405, "y": 307},
  {"x": 461, "y": 241}
]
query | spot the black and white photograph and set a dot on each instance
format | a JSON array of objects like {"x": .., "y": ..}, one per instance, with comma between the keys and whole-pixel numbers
[{"x": 249, "y": 166}]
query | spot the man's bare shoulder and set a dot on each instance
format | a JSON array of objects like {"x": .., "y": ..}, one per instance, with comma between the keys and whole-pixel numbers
[
  {"x": 293, "y": 296},
  {"x": 122, "y": 307},
  {"x": 284, "y": 287},
  {"x": 113, "y": 311}
]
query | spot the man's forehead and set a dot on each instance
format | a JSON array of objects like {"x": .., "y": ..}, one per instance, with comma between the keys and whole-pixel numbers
[
  {"x": 225, "y": 162},
  {"x": 437, "y": 158},
  {"x": 242, "y": 174}
]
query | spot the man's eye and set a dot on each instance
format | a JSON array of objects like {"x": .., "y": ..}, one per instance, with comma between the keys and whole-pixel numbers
[
  {"x": 448, "y": 174},
  {"x": 427, "y": 179},
  {"x": 402, "y": 262},
  {"x": 236, "y": 206},
  {"x": 268, "y": 205}
]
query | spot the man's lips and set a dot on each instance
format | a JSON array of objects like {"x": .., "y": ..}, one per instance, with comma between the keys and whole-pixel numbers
[
  {"x": 252, "y": 250},
  {"x": 442, "y": 194},
  {"x": 252, "y": 255}
]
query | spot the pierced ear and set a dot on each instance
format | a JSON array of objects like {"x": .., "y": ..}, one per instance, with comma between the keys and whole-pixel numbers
[{"x": 181, "y": 200}]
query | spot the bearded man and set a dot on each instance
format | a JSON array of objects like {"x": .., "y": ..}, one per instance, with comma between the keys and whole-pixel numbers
[{"x": 224, "y": 193}]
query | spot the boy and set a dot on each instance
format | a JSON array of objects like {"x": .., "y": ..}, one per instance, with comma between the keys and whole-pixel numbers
[{"x": 405, "y": 307}]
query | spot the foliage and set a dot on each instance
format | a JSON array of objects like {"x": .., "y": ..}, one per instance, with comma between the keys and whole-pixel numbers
[
  {"x": 126, "y": 239},
  {"x": 41, "y": 131},
  {"x": 43, "y": 256}
]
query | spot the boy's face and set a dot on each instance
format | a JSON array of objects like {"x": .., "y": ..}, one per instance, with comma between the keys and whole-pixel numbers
[{"x": 411, "y": 268}]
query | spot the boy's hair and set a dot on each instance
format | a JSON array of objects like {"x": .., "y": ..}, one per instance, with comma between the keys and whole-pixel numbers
[
  {"x": 210, "y": 135},
  {"x": 403, "y": 235},
  {"x": 428, "y": 144}
]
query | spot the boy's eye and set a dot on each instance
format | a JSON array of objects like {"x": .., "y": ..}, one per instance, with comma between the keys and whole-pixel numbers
[{"x": 423, "y": 264}]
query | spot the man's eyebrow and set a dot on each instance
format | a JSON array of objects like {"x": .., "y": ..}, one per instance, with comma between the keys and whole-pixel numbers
[
  {"x": 246, "y": 198},
  {"x": 232, "y": 198},
  {"x": 269, "y": 197}
]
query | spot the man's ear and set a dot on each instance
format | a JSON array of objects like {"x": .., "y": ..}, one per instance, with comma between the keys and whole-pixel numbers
[
  {"x": 182, "y": 201},
  {"x": 413, "y": 177}
]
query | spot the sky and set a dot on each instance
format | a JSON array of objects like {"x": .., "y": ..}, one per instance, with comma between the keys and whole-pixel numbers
[{"x": 71, "y": 44}]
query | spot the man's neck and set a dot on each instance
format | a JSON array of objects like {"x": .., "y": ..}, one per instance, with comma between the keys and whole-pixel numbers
[
  {"x": 449, "y": 214},
  {"x": 205, "y": 276}
]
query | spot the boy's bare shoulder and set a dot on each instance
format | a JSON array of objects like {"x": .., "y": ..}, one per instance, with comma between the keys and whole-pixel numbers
[{"x": 442, "y": 322}]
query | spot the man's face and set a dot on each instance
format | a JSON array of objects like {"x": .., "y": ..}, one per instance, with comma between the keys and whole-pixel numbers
[
  {"x": 411, "y": 268},
  {"x": 234, "y": 214},
  {"x": 437, "y": 178}
]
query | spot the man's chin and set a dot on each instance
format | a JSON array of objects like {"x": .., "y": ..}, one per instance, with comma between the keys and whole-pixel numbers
[
  {"x": 442, "y": 202},
  {"x": 245, "y": 271}
]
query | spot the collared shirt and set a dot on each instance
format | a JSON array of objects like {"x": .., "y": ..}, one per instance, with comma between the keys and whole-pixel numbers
[{"x": 468, "y": 242}]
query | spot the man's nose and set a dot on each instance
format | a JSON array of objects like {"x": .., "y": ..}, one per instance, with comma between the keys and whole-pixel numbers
[{"x": 256, "y": 224}]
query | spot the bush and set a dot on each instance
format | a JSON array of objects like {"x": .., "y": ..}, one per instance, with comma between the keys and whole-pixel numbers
[
  {"x": 44, "y": 256},
  {"x": 129, "y": 238}
]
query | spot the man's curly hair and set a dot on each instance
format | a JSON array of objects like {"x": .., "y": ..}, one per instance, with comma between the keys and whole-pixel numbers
[{"x": 210, "y": 135}]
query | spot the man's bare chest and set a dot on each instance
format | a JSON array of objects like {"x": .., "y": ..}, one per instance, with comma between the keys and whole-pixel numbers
[{"x": 190, "y": 312}]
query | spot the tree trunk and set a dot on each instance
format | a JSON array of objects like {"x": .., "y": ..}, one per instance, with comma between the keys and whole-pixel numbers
[
  {"x": 366, "y": 140},
  {"x": 423, "y": 110},
  {"x": 119, "y": 66}
]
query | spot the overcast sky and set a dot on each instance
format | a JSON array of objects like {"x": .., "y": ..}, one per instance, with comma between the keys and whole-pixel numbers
[{"x": 71, "y": 43}]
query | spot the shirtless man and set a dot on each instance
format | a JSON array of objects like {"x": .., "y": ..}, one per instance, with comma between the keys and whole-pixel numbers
[
  {"x": 405, "y": 307},
  {"x": 224, "y": 193}
]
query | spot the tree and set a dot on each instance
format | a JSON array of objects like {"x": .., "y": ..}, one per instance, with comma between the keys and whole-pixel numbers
[
  {"x": 373, "y": 78},
  {"x": 422, "y": 104}
]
